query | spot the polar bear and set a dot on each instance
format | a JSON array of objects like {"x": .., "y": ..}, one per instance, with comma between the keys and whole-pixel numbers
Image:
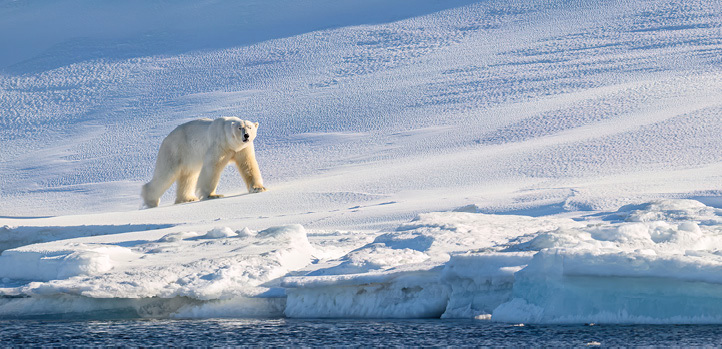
[{"x": 195, "y": 153}]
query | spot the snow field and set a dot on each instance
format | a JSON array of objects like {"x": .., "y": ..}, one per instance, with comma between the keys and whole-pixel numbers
[{"x": 599, "y": 103}]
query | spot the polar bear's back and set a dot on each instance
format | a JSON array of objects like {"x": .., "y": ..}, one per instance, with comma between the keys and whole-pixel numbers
[{"x": 187, "y": 143}]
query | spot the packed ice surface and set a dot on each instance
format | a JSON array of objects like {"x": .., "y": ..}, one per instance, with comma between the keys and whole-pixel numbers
[
  {"x": 222, "y": 265},
  {"x": 534, "y": 120},
  {"x": 658, "y": 262},
  {"x": 399, "y": 274}
]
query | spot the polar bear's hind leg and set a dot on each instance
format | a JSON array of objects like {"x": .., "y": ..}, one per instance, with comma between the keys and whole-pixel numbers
[
  {"x": 153, "y": 190},
  {"x": 210, "y": 175},
  {"x": 185, "y": 192}
]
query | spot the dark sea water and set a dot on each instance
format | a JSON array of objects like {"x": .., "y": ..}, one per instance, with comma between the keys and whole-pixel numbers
[{"x": 291, "y": 332}]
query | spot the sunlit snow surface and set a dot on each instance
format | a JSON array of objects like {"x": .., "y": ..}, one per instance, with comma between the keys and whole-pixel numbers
[{"x": 579, "y": 143}]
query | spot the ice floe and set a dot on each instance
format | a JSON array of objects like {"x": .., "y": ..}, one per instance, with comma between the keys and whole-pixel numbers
[{"x": 659, "y": 262}]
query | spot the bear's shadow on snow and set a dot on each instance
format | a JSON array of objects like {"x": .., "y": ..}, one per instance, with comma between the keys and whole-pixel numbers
[
  {"x": 13, "y": 237},
  {"x": 225, "y": 196}
]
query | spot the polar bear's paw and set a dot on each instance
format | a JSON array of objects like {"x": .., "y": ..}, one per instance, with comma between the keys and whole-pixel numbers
[
  {"x": 257, "y": 189},
  {"x": 184, "y": 200},
  {"x": 213, "y": 196}
]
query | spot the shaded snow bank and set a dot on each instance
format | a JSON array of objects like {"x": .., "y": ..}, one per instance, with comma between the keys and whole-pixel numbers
[
  {"x": 654, "y": 263},
  {"x": 11, "y": 236}
]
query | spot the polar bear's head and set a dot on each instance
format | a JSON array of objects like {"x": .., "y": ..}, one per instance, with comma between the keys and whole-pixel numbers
[
  {"x": 247, "y": 131},
  {"x": 243, "y": 132}
]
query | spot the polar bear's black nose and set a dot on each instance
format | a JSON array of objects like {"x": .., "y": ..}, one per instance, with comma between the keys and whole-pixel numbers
[{"x": 245, "y": 137}]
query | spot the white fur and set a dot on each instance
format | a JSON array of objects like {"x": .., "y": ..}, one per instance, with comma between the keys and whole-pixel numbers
[{"x": 195, "y": 153}]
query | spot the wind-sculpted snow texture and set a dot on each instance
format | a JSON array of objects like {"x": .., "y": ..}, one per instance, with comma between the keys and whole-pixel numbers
[
  {"x": 520, "y": 104},
  {"x": 423, "y": 159}
]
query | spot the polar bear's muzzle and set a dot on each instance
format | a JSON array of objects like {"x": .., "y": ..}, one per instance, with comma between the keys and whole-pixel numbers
[{"x": 244, "y": 135}]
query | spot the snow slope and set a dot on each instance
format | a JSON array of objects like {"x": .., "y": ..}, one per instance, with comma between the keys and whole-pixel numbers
[{"x": 537, "y": 119}]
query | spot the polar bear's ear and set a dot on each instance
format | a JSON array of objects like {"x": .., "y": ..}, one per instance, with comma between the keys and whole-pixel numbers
[{"x": 255, "y": 124}]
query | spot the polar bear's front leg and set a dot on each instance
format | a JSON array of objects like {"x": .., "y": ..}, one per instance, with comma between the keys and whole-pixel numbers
[
  {"x": 210, "y": 175},
  {"x": 245, "y": 159}
]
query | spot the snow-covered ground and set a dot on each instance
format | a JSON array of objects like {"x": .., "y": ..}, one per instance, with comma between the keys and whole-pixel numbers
[{"x": 524, "y": 161}]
